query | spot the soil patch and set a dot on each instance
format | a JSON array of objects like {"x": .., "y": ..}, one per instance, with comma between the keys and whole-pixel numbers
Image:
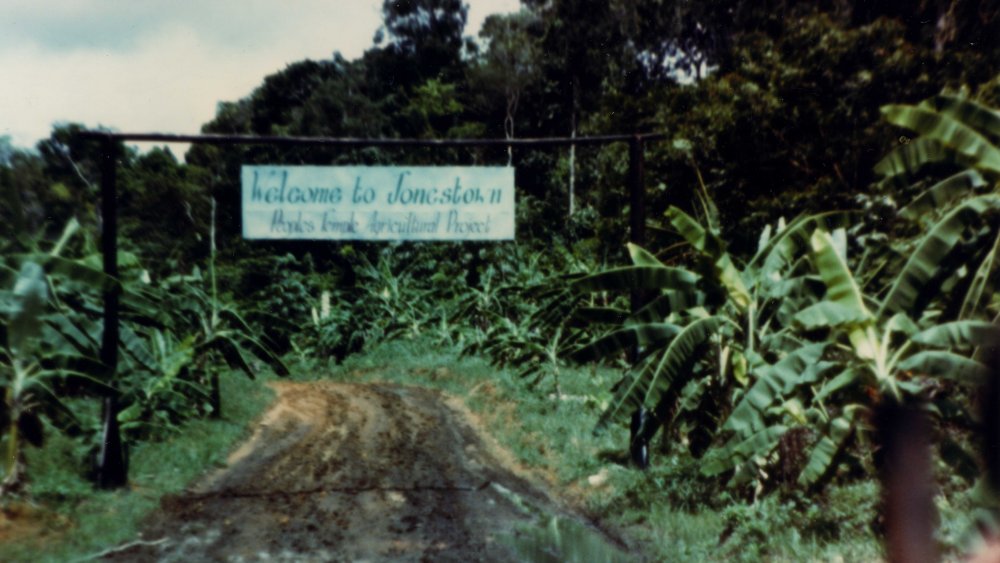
[{"x": 342, "y": 471}]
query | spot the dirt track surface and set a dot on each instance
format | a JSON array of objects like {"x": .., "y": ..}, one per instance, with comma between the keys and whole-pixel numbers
[{"x": 356, "y": 472}]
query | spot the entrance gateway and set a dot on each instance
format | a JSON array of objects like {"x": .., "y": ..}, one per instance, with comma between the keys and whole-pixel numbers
[{"x": 351, "y": 203}]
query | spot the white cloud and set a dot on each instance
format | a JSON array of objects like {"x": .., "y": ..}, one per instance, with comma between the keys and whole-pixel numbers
[{"x": 158, "y": 65}]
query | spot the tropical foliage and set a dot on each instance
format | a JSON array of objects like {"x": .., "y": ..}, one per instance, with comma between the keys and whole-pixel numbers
[{"x": 814, "y": 254}]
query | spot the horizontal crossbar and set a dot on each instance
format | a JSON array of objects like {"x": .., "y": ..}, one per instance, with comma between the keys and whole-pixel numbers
[{"x": 215, "y": 139}]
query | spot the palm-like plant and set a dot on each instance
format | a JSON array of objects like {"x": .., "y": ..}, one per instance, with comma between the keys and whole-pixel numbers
[
  {"x": 889, "y": 349},
  {"x": 791, "y": 339},
  {"x": 894, "y": 344},
  {"x": 960, "y": 137},
  {"x": 710, "y": 330},
  {"x": 36, "y": 359}
]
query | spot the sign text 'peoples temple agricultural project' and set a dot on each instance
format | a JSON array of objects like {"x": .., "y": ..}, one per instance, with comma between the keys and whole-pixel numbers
[{"x": 378, "y": 202}]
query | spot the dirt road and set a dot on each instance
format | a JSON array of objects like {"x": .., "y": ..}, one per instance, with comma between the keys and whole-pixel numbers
[{"x": 366, "y": 472}]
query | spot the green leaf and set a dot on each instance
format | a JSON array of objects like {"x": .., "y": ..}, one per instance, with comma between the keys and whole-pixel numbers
[
  {"x": 842, "y": 289},
  {"x": 670, "y": 302},
  {"x": 234, "y": 320},
  {"x": 947, "y": 365},
  {"x": 30, "y": 295},
  {"x": 638, "y": 277},
  {"x": 714, "y": 248},
  {"x": 130, "y": 413},
  {"x": 641, "y": 257},
  {"x": 736, "y": 451},
  {"x": 925, "y": 261},
  {"x": 941, "y": 195},
  {"x": 774, "y": 383},
  {"x": 961, "y": 461},
  {"x": 959, "y": 334},
  {"x": 790, "y": 243},
  {"x": 843, "y": 380},
  {"x": 230, "y": 350},
  {"x": 902, "y": 323},
  {"x": 646, "y": 386},
  {"x": 947, "y": 130},
  {"x": 829, "y": 314},
  {"x": 258, "y": 349},
  {"x": 652, "y": 335},
  {"x": 137, "y": 348},
  {"x": 826, "y": 450},
  {"x": 976, "y": 116},
  {"x": 903, "y": 165},
  {"x": 974, "y": 296},
  {"x": 692, "y": 231},
  {"x": 75, "y": 270}
]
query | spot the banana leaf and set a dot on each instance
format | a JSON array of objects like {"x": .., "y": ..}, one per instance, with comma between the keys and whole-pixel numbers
[
  {"x": 942, "y": 194},
  {"x": 738, "y": 450},
  {"x": 670, "y": 302},
  {"x": 712, "y": 246},
  {"x": 947, "y": 130},
  {"x": 638, "y": 277},
  {"x": 976, "y": 116},
  {"x": 651, "y": 336},
  {"x": 773, "y": 384},
  {"x": 947, "y": 365},
  {"x": 912, "y": 283},
  {"x": 645, "y": 386},
  {"x": 843, "y": 290},
  {"x": 903, "y": 165},
  {"x": 823, "y": 454},
  {"x": 959, "y": 334}
]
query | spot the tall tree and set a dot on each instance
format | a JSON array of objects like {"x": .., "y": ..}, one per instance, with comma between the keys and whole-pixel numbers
[
  {"x": 510, "y": 62},
  {"x": 425, "y": 36}
]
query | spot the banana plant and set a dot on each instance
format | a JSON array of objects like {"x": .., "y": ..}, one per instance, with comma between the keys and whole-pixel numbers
[
  {"x": 33, "y": 362},
  {"x": 209, "y": 331},
  {"x": 164, "y": 396},
  {"x": 218, "y": 329},
  {"x": 882, "y": 353},
  {"x": 963, "y": 136},
  {"x": 707, "y": 330},
  {"x": 895, "y": 343},
  {"x": 954, "y": 130}
]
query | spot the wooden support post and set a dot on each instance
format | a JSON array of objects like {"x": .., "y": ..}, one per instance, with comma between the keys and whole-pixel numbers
[
  {"x": 637, "y": 204},
  {"x": 638, "y": 447},
  {"x": 111, "y": 469}
]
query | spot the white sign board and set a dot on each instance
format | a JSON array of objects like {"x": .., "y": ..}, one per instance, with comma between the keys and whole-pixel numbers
[{"x": 378, "y": 202}]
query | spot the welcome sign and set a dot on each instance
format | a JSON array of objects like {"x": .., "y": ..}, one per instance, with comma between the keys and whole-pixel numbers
[{"x": 378, "y": 202}]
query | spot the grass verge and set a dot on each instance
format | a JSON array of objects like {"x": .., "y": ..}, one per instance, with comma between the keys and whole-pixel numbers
[{"x": 67, "y": 520}]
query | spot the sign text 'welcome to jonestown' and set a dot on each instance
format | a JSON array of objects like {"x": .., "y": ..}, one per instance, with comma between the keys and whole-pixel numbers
[{"x": 378, "y": 202}]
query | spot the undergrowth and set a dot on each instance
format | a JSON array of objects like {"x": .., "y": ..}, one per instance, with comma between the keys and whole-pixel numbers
[{"x": 667, "y": 513}]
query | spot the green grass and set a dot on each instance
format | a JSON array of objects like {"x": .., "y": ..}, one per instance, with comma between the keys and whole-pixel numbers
[
  {"x": 668, "y": 513},
  {"x": 75, "y": 521}
]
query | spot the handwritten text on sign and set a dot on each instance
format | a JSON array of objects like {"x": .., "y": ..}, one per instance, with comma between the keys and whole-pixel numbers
[{"x": 378, "y": 202}]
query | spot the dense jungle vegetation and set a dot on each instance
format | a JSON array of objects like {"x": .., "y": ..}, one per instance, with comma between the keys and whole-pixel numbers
[{"x": 824, "y": 230}]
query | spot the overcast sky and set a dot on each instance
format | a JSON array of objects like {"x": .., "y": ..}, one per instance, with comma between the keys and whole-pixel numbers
[{"x": 163, "y": 65}]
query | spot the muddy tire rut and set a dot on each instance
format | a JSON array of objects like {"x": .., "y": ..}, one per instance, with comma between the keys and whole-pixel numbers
[{"x": 356, "y": 472}]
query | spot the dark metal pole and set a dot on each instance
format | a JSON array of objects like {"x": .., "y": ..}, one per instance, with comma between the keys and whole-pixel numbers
[
  {"x": 637, "y": 205},
  {"x": 111, "y": 469},
  {"x": 638, "y": 447}
]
